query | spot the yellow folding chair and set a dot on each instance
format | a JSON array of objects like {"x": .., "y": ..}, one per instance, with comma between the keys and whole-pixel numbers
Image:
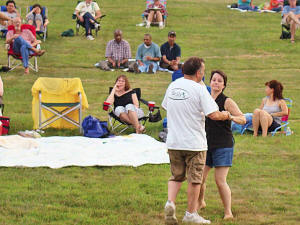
[{"x": 58, "y": 103}]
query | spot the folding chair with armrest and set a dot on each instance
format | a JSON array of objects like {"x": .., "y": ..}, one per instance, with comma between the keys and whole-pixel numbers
[
  {"x": 284, "y": 120},
  {"x": 15, "y": 59},
  {"x": 41, "y": 34},
  {"x": 115, "y": 122},
  {"x": 145, "y": 14},
  {"x": 58, "y": 103}
]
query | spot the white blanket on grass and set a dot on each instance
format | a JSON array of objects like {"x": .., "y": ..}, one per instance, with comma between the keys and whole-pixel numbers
[{"x": 56, "y": 152}]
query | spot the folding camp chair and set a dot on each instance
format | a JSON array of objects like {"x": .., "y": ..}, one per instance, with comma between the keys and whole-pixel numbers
[
  {"x": 15, "y": 59},
  {"x": 145, "y": 13},
  {"x": 41, "y": 34},
  {"x": 115, "y": 122},
  {"x": 4, "y": 9},
  {"x": 58, "y": 103},
  {"x": 79, "y": 24},
  {"x": 284, "y": 120}
]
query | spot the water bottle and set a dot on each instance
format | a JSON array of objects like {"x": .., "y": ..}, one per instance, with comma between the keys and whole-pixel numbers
[{"x": 288, "y": 131}]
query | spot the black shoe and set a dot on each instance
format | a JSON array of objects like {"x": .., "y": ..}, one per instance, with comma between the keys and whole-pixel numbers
[
  {"x": 136, "y": 68},
  {"x": 150, "y": 70},
  {"x": 4, "y": 69}
]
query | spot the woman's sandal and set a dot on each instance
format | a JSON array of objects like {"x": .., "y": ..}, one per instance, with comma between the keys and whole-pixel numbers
[{"x": 292, "y": 41}]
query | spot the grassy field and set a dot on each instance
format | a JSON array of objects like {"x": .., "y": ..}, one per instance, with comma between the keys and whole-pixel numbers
[{"x": 265, "y": 177}]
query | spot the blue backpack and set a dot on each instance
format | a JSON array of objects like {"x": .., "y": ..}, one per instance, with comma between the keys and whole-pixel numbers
[{"x": 94, "y": 128}]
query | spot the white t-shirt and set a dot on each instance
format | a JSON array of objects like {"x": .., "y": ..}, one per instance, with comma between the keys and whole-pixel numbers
[
  {"x": 82, "y": 7},
  {"x": 187, "y": 103}
]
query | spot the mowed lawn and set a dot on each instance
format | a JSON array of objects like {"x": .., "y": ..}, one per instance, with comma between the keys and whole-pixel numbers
[{"x": 265, "y": 177}]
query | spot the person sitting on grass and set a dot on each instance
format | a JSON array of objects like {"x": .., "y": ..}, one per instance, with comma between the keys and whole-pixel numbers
[
  {"x": 87, "y": 13},
  {"x": 247, "y": 5},
  {"x": 36, "y": 18},
  {"x": 23, "y": 42},
  {"x": 290, "y": 17},
  {"x": 275, "y": 5},
  {"x": 268, "y": 116},
  {"x": 126, "y": 104},
  {"x": 155, "y": 12},
  {"x": 147, "y": 56},
  {"x": 117, "y": 53}
]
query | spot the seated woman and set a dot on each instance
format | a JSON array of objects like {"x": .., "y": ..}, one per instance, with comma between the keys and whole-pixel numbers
[
  {"x": 36, "y": 18},
  {"x": 276, "y": 5},
  {"x": 23, "y": 43},
  {"x": 126, "y": 104},
  {"x": 247, "y": 5},
  {"x": 154, "y": 14},
  {"x": 268, "y": 117}
]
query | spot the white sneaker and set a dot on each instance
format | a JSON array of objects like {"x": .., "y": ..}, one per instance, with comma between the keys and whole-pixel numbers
[
  {"x": 148, "y": 25},
  {"x": 90, "y": 37},
  {"x": 170, "y": 217},
  {"x": 194, "y": 218}
]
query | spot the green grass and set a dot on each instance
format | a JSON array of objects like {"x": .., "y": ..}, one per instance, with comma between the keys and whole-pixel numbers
[{"x": 265, "y": 177}]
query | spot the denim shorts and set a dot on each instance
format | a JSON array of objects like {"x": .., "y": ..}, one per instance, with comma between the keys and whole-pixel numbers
[{"x": 219, "y": 157}]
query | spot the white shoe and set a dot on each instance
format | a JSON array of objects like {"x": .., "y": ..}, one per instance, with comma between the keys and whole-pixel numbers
[
  {"x": 148, "y": 25},
  {"x": 194, "y": 218},
  {"x": 161, "y": 26},
  {"x": 97, "y": 26},
  {"x": 170, "y": 217},
  {"x": 90, "y": 37}
]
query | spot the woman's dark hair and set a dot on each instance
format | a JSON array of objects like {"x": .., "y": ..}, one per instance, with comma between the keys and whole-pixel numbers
[
  {"x": 192, "y": 65},
  {"x": 38, "y": 5},
  {"x": 277, "y": 87},
  {"x": 10, "y": 1},
  {"x": 222, "y": 74},
  {"x": 127, "y": 85}
]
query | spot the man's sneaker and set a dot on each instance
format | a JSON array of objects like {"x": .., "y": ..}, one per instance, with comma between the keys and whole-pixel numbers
[
  {"x": 170, "y": 217},
  {"x": 194, "y": 218},
  {"x": 136, "y": 68},
  {"x": 150, "y": 70},
  {"x": 90, "y": 37}
]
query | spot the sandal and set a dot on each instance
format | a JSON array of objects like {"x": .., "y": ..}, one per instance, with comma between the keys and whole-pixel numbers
[{"x": 292, "y": 41}]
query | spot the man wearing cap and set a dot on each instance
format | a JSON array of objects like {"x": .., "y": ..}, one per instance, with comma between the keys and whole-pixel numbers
[
  {"x": 117, "y": 53},
  {"x": 170, "y": 52},
  {"x": 187, "y": 103},
  {"x": 147, "y": 56},
  {"x": 291, "y": 16}
]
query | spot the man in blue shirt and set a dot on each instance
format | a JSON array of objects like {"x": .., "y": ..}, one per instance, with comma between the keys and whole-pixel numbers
[
  {"x": 147, "y": 56},
  {"x": 170, "y": 52},
  {"x": 291, "y": 15}
]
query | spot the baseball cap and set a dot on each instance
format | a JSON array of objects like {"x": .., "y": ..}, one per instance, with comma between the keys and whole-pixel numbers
[{"x": 172, "y": 33}]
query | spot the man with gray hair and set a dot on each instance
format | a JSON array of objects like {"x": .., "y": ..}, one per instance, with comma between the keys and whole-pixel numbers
[{"x": 117, "y": 53}]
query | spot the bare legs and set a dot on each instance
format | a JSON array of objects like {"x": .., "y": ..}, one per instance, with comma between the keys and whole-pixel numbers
[
  {"x": 131, "y": 118},
  {"x": 224, "y": 190},
  {"x": 173, "y": 189},
  {"x": 38, "y": 24},
  {"x": 293, "y": 20},
  {"x": 262, "y": 118},
  {"x": 154, "y": 15}
]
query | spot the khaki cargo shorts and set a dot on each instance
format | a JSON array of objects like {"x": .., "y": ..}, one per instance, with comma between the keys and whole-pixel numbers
[{"x": 187, "y": 165}]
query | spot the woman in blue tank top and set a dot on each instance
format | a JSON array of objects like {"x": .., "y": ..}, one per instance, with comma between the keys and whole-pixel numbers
[{"x": 268, "y": 116}]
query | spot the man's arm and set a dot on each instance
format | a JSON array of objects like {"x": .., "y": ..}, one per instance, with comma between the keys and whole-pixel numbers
[
  {"x": 98, "y": 14},
  {"x": 4, "y": 17}
]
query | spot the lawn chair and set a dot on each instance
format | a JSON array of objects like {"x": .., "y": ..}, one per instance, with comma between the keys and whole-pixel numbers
[
  {"x": 78, "y": 23},
  {"x": 284, "y": 129},
  {"x": 145, "y": 14},
  {"x": 41, "y": 34},
  {"x": 115, "y": 122},
  {"x": 58, "y": 103},
  {"x": 15, "y": 59},
  {"x": 4, "y": 9}
]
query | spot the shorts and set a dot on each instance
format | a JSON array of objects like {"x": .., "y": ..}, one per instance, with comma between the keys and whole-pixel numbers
[
  {"x": 271, "y": 128},
  {"x": 121, "y": 109},
  {"x": 219, "y": 157},
  {"x": 187, "y": 165}
]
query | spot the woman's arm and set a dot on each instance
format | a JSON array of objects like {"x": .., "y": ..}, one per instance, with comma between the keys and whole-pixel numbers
[
  {"x": 236, "y": 114},
  {"x": 31, "y": 12},
  {"x": 262, "y": 103},
  {"x": 46, "y": 23},
  {"x": 111, "y": 97},
  {"x": 135, "y": 100},
  {"x": 284, "y": 109}
]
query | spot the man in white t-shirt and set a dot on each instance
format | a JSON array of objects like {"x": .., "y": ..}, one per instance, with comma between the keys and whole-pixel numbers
[
  {"x": 187, "y": 103},
  {"x": 87, "y": 13},
  {"x": 10, "y": 12}
]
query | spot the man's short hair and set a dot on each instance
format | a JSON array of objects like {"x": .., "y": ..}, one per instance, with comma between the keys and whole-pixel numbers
[
  {"x": 148, "y": 35},
  {"x": 192, "y": 65},
  {"x": 10, "y": 1},
  {"x": 118, "y": 31}
]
